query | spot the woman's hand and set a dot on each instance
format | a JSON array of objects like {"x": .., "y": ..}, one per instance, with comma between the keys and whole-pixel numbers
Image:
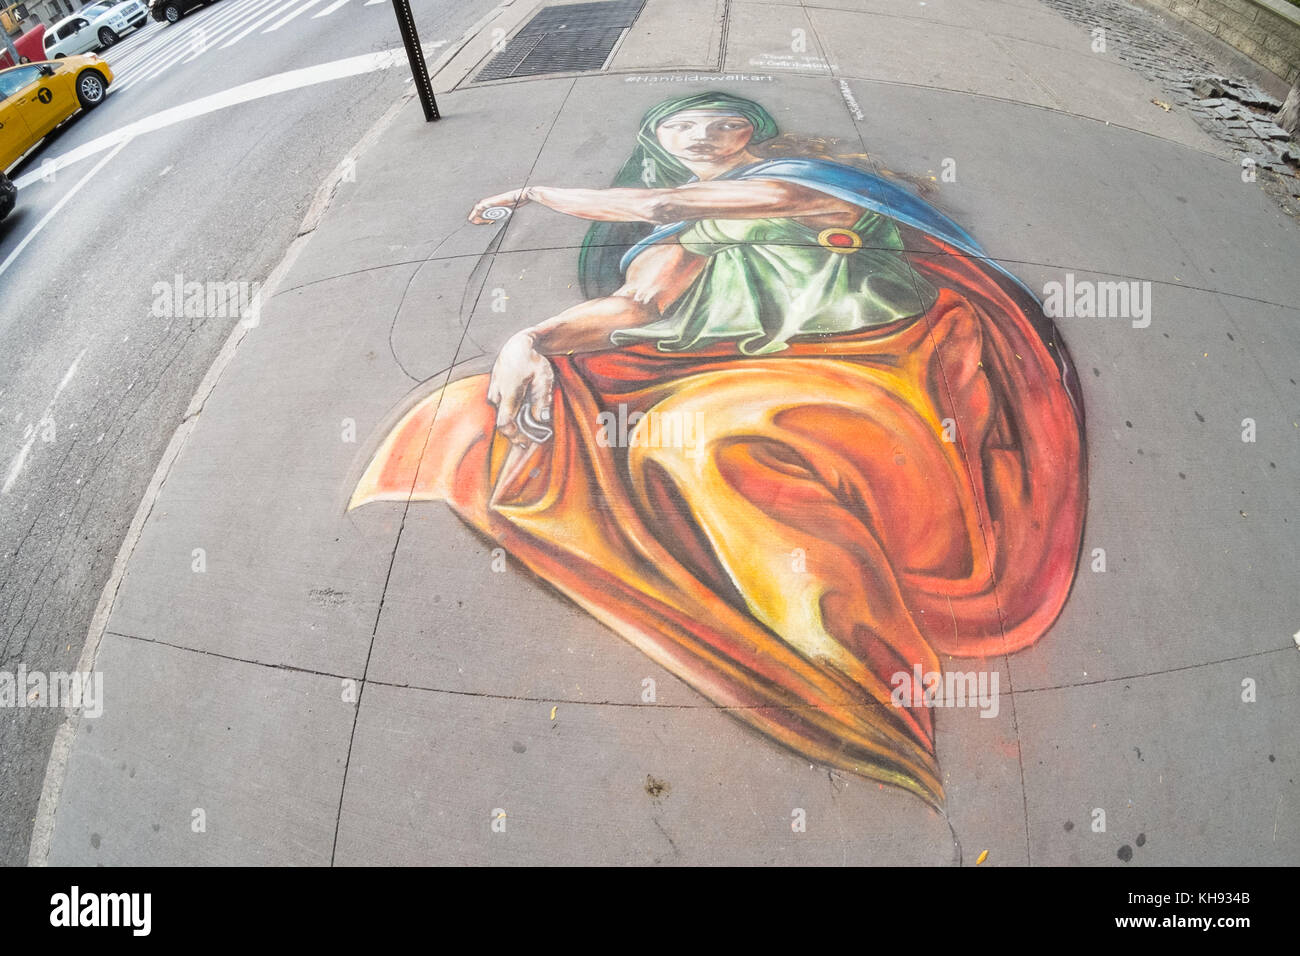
[
  {"x": 511, "y": 200},
  {"x": 521, "y": 376}
]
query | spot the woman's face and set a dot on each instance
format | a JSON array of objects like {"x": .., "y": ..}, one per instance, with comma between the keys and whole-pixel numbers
[{"x": 704, "y": 137}]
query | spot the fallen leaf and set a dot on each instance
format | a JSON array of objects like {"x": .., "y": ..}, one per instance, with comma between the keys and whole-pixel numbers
[
  {"x": 1162, "y": 104},
  {"x": 553, "y": 710},
  {"x": 982, "y": 857}
]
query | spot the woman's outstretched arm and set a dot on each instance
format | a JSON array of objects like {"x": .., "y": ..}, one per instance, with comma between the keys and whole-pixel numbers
[{"x": 720, "y": 199}]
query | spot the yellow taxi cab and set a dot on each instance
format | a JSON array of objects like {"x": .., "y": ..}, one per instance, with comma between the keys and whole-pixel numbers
[{"x": 36, "y": 97}]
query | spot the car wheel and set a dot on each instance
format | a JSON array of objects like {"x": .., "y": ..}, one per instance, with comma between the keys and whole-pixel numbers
[
  {"x": 172, "y": 12},
  {"x": 8, "y": 194},
  {"x": 106, "y": 37},
  {"x": 59, "y": 56},
  {"x": 91, "y": 89}
]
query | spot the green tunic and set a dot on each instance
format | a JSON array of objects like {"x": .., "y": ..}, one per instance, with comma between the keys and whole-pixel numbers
[{"x": 768, "y": 280}]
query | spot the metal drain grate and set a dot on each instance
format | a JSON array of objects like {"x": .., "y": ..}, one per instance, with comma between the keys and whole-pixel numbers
[
  {"x": 584, "y": 16},
  {"x": 569, "y": 38}
]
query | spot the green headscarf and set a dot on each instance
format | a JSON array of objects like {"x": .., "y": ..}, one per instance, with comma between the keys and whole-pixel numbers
[{"x": 650, "y": 165}]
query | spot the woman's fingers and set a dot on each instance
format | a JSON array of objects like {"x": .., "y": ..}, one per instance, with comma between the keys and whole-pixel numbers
[
  {"x": 508, "y": 412},
  {"x": 476, "y": 214},
  {"x": 540, "y": 391},
  {"x": 520, "y": 387},
  {"x": 508, "y": 408},
  {"x": 513, "y": 199}
]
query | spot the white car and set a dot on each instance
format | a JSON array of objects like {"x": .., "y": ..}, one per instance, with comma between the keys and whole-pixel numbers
[{"x": 94, "y": 27}]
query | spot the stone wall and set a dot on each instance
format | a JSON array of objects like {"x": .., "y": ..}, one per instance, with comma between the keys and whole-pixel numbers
[{"x": 1267, "y": 31}]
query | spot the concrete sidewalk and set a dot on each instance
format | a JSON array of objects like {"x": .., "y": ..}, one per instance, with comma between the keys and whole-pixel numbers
[{"x": 255, "y": 612}]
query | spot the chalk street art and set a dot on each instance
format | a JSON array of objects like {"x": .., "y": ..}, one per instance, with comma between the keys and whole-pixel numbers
[{"x": 801, "y": 438}]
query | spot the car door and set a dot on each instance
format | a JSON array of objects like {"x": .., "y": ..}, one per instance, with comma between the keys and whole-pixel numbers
[
  {"x": 43, "y": 100},
  {"x": 83, "y": 39},
  {"x": 15, "y": 137}
]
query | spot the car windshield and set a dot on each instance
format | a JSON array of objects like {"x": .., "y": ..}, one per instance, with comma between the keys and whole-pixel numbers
[
  {"x": 96, "y": 9},
  {"x": 11, "y": 81}
]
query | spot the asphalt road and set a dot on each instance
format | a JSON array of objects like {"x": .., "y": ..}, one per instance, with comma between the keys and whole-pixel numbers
[{"x": 93, "y": 380}]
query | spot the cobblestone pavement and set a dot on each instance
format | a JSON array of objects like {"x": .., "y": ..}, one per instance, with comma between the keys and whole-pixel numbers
[{"x": 1231, "y": 109}]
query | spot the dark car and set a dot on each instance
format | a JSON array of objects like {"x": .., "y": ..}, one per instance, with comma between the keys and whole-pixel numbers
[
  {"x": 8, "y": 195},
  {"x": 172, "y": 10}
]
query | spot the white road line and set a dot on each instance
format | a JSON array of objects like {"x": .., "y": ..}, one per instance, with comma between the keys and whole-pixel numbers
[
  {"x": 371, "y": 3},
  {"x": 185, "y": 44},
  {"x": 163, "y": 46},
  {"x": 135, "y": 53},
  {"x": 16, "y": 466},
  {"x": 330, "y": 9},
  {"x": 303, "y": 9},
  {"x": 170, "y": 36},
  {"x": 245, "y": 92},
  {"x": 63, "y": 201},
  {"x": 240, "y": 36},
  {"x": 189, "y": 50},
  {"x": 135, "y": 56},
  {"x": 254, "y": 9},
  {"x": 183, "y": 34}
]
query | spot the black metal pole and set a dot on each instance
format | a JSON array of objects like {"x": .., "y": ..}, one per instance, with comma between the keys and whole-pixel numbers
[{"x": 419, "y": 70}]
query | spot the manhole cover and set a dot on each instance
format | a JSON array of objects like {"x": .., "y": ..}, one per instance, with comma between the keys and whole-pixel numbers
[{"x": 569, "y": 38}]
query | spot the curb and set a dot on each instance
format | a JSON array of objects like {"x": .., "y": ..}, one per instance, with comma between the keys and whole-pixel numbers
[{"x": 57, "y": 765}]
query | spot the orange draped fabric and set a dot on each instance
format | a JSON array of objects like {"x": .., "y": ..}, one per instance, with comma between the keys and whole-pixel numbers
[{"x": 786, "y": 533}]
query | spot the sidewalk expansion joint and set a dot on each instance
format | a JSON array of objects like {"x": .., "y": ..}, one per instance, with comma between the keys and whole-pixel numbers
[
  {"x": 981, "y": 518},
  {"x": 574, "y": 701},
  {"x": 1157, "y": 673},
  {"x": 229, "y": 657},
  {"x": 1034, "y": 263},
  {"x": 489, "y": 256}
]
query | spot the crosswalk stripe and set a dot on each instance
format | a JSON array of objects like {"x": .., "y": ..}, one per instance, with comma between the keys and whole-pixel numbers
[
  {"x": 158, "y": 38},
  {"x": 254, "y": 9},
  {"x": 330, "y": 9},
  {"x": 239, "y": 36},
  {"x": 171, "y": 37},
  {"x": 303, "y": 9},
  {"x": 165, "y": 45},
  {"x": 186, "y": 49}
]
